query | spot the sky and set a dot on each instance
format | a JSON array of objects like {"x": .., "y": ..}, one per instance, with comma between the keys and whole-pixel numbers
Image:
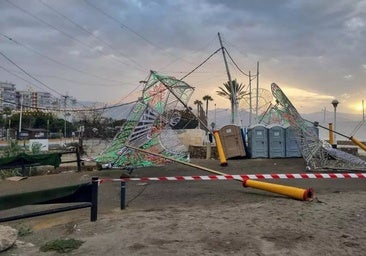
[{"x": 100, "y": 50}]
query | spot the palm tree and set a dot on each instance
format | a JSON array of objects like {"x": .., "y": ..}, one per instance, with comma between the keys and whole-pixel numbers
[
  {"x": 234, "y": 96},
  {"x": 199, "y": 105},
  {"x": 226, "y": 90},
  {"x": 207, "y": 98}
]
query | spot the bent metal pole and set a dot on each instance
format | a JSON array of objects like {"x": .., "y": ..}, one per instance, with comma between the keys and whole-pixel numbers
[
  {"x": 293, "y": 192},
  {"x": 178, "y": 161},
  {"x": 332, "y": 131}
]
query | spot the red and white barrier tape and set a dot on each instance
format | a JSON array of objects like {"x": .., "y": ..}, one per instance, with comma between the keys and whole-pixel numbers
[{"x": 248, "y": 176}]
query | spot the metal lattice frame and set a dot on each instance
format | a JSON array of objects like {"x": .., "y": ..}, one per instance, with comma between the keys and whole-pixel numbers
[
  {"x": 317, "y": 153},
  {"x": 149, "y": 124}
]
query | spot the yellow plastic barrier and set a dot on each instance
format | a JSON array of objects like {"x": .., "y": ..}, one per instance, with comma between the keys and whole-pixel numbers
[
  {"x": 331, "y": 134},
  {"x": 297, "y": 193},
  {"x": 220, "y": 149},
  {"x": 358, "y": 143}
]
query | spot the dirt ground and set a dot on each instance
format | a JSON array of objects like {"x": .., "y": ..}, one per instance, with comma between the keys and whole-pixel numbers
[{"x": 203, "y": 217}]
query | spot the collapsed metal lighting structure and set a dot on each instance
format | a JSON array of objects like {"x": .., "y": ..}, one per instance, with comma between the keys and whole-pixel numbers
[
  {"x": 150, "y": 125},
  {"x": 317, "y": 153}
]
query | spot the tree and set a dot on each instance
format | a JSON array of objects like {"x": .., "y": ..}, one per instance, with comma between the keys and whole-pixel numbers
[
  {"x": 207, "y": 98},
  {"x": 234, "y": 96},
  {"x": 199, "y": 105},
  {"x": 226, "y": 90},
  {"x": 39, "y": 119},
  {"x": 5, "y": 116}
]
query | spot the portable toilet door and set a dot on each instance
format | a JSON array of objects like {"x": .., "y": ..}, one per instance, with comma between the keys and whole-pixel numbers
[
  {"x": 276, "y": 139},
  {"x": 292, "y": 143},
  {"x": 258, "y": 141},
  {"x": 232, "y": 141}
]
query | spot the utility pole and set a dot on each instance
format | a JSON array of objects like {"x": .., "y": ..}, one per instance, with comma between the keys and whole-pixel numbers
[
  {"x": 233, "y": 92},
  {"x": 250, "y": 99},
  {"x": 21, "y": 114},
  {"x": 65, "y": 100},
  {"x": 335, "y": 104},
  {"x": 363, "y": 110},
  {"x": 256, "y": 94}
]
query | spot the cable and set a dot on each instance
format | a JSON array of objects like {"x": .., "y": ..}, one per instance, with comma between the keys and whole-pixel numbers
[
  {"x": 125, "y": 26},
  {"x": 358, "y": 126},
  {"x": 69, "y": 110},
  {"x": 90, "y": 33},
  {"x": 75, "y": 110},
  {"x": 25, "y": 80},
  {"x": 118, "y": 105},
  {"x": 202, "y": 48},
  {"x": 122, "y": 25},
  {"x": 209, "y": 57},
  {"x": 54, "y": 60},
  {"x": 25, "y": 72},
  {"x": 138, "y": 194},
  {"x": 30, "y": 84},
  {"x": 81, "y": 82},
  {"x": 46, "y": 23},
  {"x": 235, "y": 63},
  {"x": 235, "y": 47},
  {"x": 64, "y": 33},
  {"x": 11, "y": 39}
]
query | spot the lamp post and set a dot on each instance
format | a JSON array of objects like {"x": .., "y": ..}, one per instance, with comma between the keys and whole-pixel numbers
[
  {"x": 65, "y": 123},
  {"x": 20, "y": 115},
  {"x": 335, "y": 104},
  {"x": 215, "y": 113}
]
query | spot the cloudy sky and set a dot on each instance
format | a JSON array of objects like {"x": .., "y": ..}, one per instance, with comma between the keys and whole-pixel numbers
[{"x": 100, "y": 50}]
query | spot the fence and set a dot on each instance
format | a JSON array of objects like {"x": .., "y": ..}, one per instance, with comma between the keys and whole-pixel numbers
[
  {"x": 82, "y": 196},
  {"x": 23, "y": 160}
]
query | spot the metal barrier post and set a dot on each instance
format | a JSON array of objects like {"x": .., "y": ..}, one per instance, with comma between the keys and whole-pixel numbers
[
  {"x": 123, "y": 195},
  {"x": 94, "y": 199},
  {"x": 78, "y": 160}
]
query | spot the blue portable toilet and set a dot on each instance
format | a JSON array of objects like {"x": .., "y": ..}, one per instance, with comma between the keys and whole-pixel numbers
[
  {"x": 292, "y": 143},
  {"x": 258, "y": 141},
  {"x": 276, "y": 141}
]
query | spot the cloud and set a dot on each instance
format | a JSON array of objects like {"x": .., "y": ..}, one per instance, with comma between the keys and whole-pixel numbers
[
  {"x": 303, "y": 95},
  {"x": 96, "y": 33},
  {"x": 345, "y": 96},
  {"x": 98, "y": 48},
  {"x": 355, "y": 24},
  {"x": 74, "y": 53},
  {"x": 309, "y": 45},
  {"x": 348, "y": 77}
]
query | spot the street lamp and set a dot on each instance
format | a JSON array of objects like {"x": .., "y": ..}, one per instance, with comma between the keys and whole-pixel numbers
[
  {"x": 65, "y": 122},
  {"x": 215, "y": 114},
  {"x": 20, "y": 115},
  {"x": 335, "y": 104}
]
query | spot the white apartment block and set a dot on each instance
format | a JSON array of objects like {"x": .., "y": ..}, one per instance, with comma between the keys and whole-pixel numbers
[
  {"x": 7, "y": 95},
  {"x": 13, "y": 99}
]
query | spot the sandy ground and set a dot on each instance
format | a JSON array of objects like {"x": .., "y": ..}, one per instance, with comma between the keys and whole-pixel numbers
[{"x": 204, "y": 217}]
